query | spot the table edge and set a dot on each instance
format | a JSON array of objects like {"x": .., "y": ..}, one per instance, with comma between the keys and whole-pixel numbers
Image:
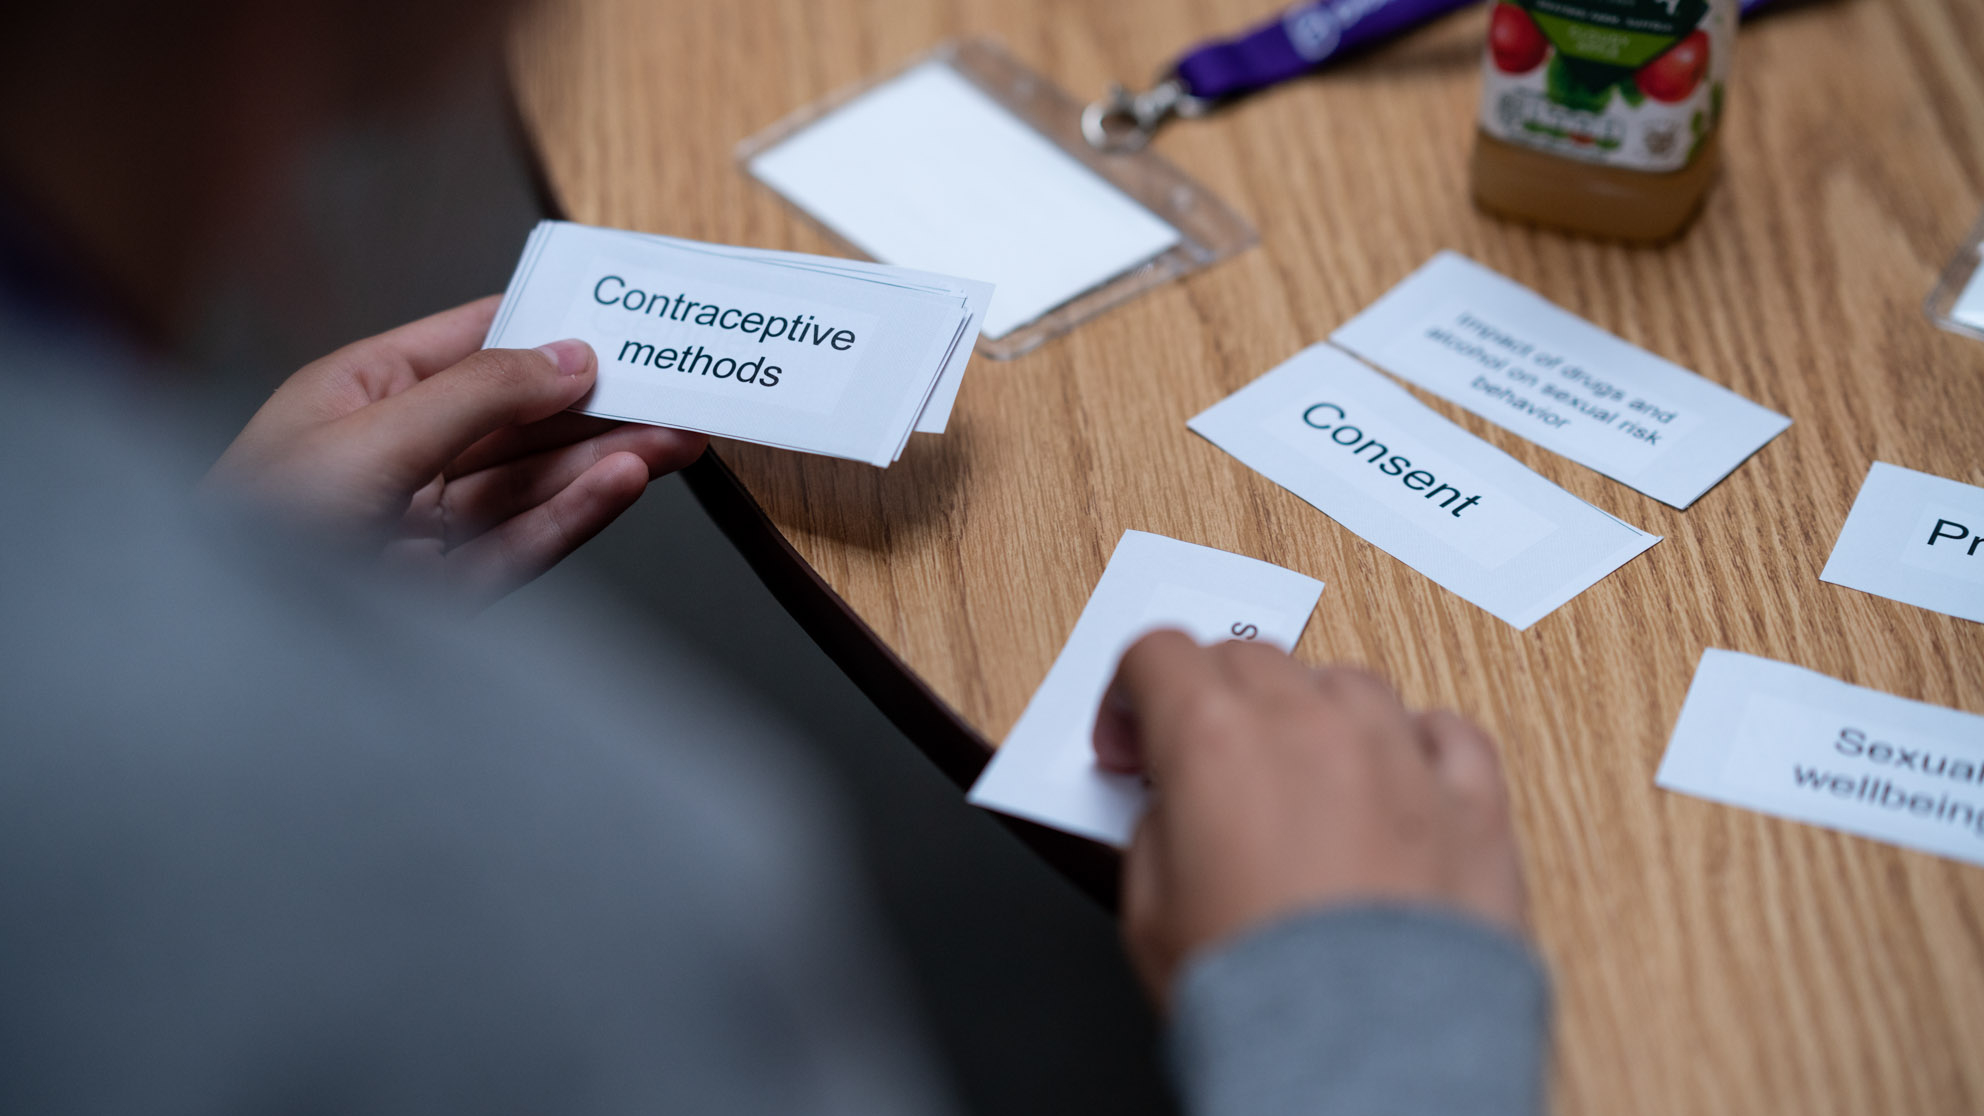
[
  {"x": 932, "y": 726},
  {"x": 937, "y": 731}
]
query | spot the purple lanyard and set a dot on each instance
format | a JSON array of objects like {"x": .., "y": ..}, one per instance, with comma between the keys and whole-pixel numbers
[{"x": 1299, "y": 40}]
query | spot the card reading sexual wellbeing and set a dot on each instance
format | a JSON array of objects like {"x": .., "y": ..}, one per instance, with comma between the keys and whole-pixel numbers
[
  {"x": 837, "y": 357},
  {"x": 1045, "y": 771},
  {"x": 1370, "y": 456},
  {"x": 1784, "y": 740}
]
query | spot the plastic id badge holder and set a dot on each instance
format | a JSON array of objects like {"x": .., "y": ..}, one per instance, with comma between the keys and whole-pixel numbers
[
  {"x": 967, "y": 163},
  {"x": 1957, "y": 303}
]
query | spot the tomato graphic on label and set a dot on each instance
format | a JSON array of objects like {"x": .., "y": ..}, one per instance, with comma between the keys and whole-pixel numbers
[
  {"x": 1514, "y": 41},
  {"x": 1675, "y": 74}
]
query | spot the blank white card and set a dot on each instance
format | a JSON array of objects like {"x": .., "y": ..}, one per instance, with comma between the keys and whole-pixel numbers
[{"x": 927, "y": 171}]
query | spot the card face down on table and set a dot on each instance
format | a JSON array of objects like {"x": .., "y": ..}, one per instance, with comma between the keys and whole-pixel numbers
[{"x": 820, "y": 355}]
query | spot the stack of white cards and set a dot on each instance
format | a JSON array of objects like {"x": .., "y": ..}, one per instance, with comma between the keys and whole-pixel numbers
[{"x": 838, "y": 357}]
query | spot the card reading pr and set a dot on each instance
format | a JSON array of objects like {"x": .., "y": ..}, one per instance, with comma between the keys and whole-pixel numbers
[{"x": 1915, "y": 538}]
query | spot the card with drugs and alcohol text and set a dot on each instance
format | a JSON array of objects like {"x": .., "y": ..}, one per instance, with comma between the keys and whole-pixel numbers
[
  {"x": 838, "y": 357},
  {"x": 1520, "y": 361}
]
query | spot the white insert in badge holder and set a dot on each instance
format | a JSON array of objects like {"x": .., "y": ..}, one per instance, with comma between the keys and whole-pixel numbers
[
  {"x": 967, "y": 163},
  {"x": 1957, "y": 303}
]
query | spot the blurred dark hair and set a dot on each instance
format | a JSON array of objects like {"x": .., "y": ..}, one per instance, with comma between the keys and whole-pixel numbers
[{"x": 375, "y": 50}]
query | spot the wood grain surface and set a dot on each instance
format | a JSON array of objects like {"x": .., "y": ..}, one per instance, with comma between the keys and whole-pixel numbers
[{"x": 1707, "y": 959}]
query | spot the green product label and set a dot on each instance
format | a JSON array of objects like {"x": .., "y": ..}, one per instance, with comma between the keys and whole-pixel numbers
[
  {"x": 1599, "y": 45},
  {"x": 1609, "y": 45},
  {"x": 1627, "y": 82}
]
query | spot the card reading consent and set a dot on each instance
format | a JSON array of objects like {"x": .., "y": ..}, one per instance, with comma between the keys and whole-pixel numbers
[
  {"x": 1045, "y": 771},
  {"x": 927, "y": 171},
  {"x": 1915, "y": 538},
  {"x": 1444, "y": 502},
  {"x": 1784, "y": 740},
  {"x": 838, "y": 357},
  {"x": 1518, "y": 360}
]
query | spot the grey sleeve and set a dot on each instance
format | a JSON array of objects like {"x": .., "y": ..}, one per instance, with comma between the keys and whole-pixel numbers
[
  {"x": 1363, "y": 1010},
  {"x": 275, "y": 839}
]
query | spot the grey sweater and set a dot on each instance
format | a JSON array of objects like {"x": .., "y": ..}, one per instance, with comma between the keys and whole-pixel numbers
[{"x": 276, "y": 839}]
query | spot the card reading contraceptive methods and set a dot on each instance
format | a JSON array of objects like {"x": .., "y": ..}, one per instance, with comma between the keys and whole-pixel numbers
[
  {"x": 1784, "y": 740},
  {"x": 1915, "y": 538},
  {"x": 837, "y": 357},
  {"x": 1444, "y": 502},
  {"x": 927, "y": 170},
  {"x": 1518, "y": 360},
  {"x": 1045, "y": 771}
]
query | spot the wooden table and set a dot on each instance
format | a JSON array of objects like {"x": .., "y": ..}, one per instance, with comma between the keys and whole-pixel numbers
[{"x": 1708, "y": 959}]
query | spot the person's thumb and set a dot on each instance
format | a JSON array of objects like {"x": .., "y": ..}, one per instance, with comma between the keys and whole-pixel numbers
[{"x": 410, "y": 437}]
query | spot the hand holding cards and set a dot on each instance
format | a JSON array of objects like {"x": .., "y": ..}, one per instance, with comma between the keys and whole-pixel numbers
[{"x": 837, "y": 357}]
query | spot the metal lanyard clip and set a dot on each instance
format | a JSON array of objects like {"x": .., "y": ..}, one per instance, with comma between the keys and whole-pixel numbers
[{"x": 1123, "y": 121}]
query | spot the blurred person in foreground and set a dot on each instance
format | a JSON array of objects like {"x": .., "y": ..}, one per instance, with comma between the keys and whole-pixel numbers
[{"x": 277, "y": 834}]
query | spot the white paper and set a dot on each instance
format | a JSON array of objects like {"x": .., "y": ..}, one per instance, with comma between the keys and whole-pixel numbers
[
  {"x": 1506, "y": 353},
  {"x": 1915, "y": 538},
  {"x": 1784, "y": 740},
  {"x": 1428, "y": 493},
  {"x": 1045, "y": 771},
  {"x": 977, "y": 297},
  {"x": 1969, "y": 305},
  {"x": 848, "y": 359},
  {"x": 926, "y": 171}
]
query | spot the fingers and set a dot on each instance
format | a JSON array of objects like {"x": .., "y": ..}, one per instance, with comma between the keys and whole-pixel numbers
[
  {"x": 1146, "y": 928},
  {"x": 1468, "y": 769},
  {"x": 1263, "y": 671},
  {"x": 1164, "y": 678},
  {"x": 1464, "y": 759},
  {"x": 438, "y": 341},
  {"x": 511, "y": 443},
  {"x": 408, "y": 438},
  {"x": 1280, "y": 788},
  {"x": 352, "y": 378},
  {"x": 524, "y": 547},
  {"x": 480, "y": 500},
  {"x": 1116, "y": 745}
]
